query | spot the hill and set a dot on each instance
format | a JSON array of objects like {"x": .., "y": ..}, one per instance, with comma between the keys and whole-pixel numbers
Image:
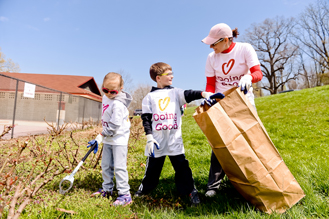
[{"x": 298, "y": 124}]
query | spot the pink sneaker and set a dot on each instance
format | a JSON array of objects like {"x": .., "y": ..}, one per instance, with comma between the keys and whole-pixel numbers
[{"x": 123, "y": 200}]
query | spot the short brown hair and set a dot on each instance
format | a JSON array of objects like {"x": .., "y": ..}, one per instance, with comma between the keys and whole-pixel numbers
[
  {"x": 113, "y": 76},
  {"x": 158, "y": 69},
  {"x": 235, "y": 33}
]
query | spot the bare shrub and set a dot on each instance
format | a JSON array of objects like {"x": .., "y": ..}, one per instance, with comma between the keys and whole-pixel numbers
[
  {"x": 136, "y": 130},
  {"x": 27, "y": 166},
  {"x": 53, "y": 130},
  {"x": 6, "y": 129},
  {"x": 25, "y": 172}
]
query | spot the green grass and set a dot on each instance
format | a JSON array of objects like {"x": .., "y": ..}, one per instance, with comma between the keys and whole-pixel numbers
[{"x": 298, "y": 124}]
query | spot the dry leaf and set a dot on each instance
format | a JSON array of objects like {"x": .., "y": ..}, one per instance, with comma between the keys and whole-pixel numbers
[{"x": 66, "y": 211}]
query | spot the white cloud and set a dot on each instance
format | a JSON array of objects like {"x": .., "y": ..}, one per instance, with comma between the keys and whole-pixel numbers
[
  {"x": 3, "y": 19},
  {"x": 46, "y": 19}
]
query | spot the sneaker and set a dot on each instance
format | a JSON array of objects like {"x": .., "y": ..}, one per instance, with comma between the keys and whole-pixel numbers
[
  {"x": 123, "y": 200},
  {"x": 210, "y": 193},
  {"x": 138, "y": 194},
  {"x": 101, "y": 192},
  {"x": 195, "y": 201}
]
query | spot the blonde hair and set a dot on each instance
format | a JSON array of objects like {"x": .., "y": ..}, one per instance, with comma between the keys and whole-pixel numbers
[{"x": 112, "y": 76}]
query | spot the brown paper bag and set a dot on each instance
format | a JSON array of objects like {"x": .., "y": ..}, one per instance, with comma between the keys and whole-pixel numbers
[{"x": 247, "y": 154}]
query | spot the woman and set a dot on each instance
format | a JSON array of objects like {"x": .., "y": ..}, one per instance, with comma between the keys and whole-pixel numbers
[{"x": 229, "y": 65}]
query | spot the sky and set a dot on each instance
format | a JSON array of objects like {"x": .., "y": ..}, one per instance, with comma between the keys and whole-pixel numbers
[{"x": 94, "y": 37}]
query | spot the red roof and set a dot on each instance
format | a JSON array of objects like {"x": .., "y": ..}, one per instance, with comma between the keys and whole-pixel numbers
[{"x": 66, "y": 83}]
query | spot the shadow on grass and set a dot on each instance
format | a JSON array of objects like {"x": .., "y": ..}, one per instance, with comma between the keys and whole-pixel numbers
[
  {"x": 87, "y": 180},
  {"x": 165, "y": 196}
]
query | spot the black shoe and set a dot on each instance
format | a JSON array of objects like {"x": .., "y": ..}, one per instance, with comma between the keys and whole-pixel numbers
[
  {"x": 138, "y": 194},
  {"x": 195, "y": 201}
]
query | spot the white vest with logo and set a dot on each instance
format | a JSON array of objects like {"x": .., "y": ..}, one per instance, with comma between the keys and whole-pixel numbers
[{"x": 164, "y": 105}]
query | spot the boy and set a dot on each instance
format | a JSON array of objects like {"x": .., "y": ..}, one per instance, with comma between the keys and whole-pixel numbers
[
  {"x": 115, "y": 135},
  {"x": 162, "y": 125}
]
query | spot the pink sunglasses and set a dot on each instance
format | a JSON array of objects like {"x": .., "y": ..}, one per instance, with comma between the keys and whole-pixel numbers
[{"x": 105, "y": 90}]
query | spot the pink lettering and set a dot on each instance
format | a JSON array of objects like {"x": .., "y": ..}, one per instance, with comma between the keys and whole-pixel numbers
[
  {"x": 105, "y": 124},
  {"x": 158, "y": 128},
  {"x": 229, "y": 79}
]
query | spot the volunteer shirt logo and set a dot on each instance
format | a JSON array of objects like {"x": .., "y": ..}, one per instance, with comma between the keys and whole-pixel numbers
[
  {"x": 105, "y": 107},
  {"x": 226, "y": 67},
  {"x": 163, "y": 103}
]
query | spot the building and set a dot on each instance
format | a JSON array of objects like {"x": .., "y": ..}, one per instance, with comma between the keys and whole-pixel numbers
[{"x": 57, "y": 98}]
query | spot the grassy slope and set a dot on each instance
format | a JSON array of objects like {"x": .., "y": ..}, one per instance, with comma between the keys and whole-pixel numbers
[{"x": 297, "y": 122}]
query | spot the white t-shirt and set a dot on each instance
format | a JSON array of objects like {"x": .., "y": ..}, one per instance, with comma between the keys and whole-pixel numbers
[
  {"x": 164, "y": 105},
  {"x": 228, "y": 68}
]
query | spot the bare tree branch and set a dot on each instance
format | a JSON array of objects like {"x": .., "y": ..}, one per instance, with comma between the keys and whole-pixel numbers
[{"x": 271, "y": 40}]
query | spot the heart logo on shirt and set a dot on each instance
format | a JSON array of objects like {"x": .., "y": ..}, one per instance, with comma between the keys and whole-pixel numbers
[
  {"x": 226, "y": 67},
  {"x": 104, "y": 108},
  {"x": 163, "y": 103}
]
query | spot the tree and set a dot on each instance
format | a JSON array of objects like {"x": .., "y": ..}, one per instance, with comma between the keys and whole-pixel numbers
[
  {"x": 138, "y": 94},
  {"x": 128, "y": 86},
  {"x": 271, "y": 40},
  {"x": 308, "y": 78},
  {"x": 7, "y": 65},
  {"x": 312, "y": 31}
]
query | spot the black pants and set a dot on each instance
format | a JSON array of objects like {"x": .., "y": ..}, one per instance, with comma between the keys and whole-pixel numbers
[
  {"x": 183, "y": 174},
  {"x": 216, "y": 173}
]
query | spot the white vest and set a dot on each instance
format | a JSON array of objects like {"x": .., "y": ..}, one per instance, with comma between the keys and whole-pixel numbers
[
  {"x": 117, "y": 113},
  {"x": 164, "y": 105}
]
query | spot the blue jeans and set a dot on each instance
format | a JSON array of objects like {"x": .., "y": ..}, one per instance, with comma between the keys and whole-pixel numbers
[{"x": 114, "y": 161}]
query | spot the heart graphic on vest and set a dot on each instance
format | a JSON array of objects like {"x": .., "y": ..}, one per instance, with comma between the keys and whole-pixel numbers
[
  {"x": 105, "y": 108},
  {"x": 163, "y": 103},
  {"x": 226, "y": 67}
]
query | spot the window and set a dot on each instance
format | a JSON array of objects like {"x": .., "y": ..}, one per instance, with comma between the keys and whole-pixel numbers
[
  {"x": 2, "y": 95},
  {"x": 59, "y": 96},
  {"x": 37, "y": 96},
  {"x": 48, "y": 97},
  {"x": 11, "y": 96},
  {"x": 23, "y": 98}
]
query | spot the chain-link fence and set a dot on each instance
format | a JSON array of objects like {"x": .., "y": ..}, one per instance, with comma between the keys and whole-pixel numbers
[{"x": 48, "y": 104}]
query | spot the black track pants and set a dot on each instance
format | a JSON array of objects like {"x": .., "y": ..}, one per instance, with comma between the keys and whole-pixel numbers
[{"x": 183, "y": 174}]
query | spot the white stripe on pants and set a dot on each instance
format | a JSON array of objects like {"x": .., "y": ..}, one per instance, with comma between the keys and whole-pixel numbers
[{"x": 114, "y": 160}]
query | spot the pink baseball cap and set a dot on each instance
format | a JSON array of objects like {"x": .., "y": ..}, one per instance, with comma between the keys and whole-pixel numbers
[{"x": 217, "y": 32}]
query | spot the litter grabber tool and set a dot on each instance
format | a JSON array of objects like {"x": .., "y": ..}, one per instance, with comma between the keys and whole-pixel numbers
[{"x": 70, "y": 178}]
